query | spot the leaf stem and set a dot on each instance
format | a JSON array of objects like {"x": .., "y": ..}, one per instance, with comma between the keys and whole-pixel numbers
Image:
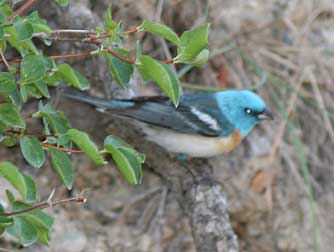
[{"x": 46, "y": 204}]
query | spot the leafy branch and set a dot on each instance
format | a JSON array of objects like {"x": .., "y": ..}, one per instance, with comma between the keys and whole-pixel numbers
[
  {"x": 31, "y": 75},
  {"x": 45, "y": 204}
]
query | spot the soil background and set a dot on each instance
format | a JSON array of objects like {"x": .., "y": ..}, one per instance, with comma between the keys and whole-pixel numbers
[{"x": 279, "y": 182}]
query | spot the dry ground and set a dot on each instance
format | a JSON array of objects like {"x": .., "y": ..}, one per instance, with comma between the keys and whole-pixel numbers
[{"x": 280, "y": 182}]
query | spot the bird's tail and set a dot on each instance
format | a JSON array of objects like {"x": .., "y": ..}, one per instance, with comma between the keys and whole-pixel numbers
[{"x": 98, "y": 102}]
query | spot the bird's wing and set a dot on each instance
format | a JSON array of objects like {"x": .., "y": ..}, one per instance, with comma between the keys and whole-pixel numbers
[{"x": 196, "y": 114}]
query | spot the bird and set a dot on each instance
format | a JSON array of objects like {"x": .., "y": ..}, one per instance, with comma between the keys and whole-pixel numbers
[{"x": 203, "y": 125}]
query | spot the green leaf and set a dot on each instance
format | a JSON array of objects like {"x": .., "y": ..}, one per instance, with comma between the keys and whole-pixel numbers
[
  {"x": 81, "y": 139},
  {"x": 40, "y": 219},
  {"x": 128, "y": 160},
  {"x": 151, "y": 69},
  {"x": 32, "y": 151},
  {"x": 43, "y": 236},
  {"x": 56, "y": 119},
  {"x": 10, "y": 196},
  {"x": 201, "y": 58},
  {"x": 15, "y": 98},
  {"x": 24, "y": 30},
  {"x": 31, "y": 194},
  {"x": 110, "y": 24},
  {"x": 161, "y": 30},
  {"x": 192, "y": 43},
  {"x": 62, "y": 3},
  {"x": 7, "y": 82},
  {"x": 120, "y": 70},
  {"x": 64, "y": 139},
  {"x": 10, "y": 116},
  {"x": 42, "y": 88},
  {"x": 38, "y": 24},
  {"x": 30, "y": 90},
  {"x": 36, "y": 217},
  {"x": 33, "y": 68},
  {"x": 25, "y": 231},
  {"x": 10, "y": 141},
  {"x": 13, "y": 176},
  {"x": 2, "y": 230},
  {"x": 63, "y": 166},
  {"x": 2, "y": 2},
  {"x": 5, "y": 222},
  {"x": 2, "y": 33},
  {"x": 22, "y": 183},
  {"x": 72, "y": 77},
  {"x": 138, "y": 53},
  {"x": 24, "y": 92}
]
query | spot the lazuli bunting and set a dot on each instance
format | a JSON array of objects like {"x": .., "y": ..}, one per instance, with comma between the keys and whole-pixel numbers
[{"x": 203, "y": 125}]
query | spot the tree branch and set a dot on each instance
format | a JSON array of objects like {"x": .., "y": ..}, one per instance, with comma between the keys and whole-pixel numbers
[
  {"x": 203, "y": 200},
  {"x": 206, "y": 206},
  {"x": 22, "y": 9},
  {"x": 45, "y": 204},
  {"x": 56, "y": 57},
  {"x": 92, "y": 39}
]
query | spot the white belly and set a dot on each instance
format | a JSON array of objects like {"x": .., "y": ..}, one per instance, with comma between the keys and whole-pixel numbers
[{"x": 191, "y": 145}]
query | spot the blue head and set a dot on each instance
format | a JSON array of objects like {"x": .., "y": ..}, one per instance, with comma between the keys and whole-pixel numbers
[{"x": 243, "y": 108}]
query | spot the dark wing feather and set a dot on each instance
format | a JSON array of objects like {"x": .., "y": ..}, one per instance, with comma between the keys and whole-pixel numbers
[{"x": 160, "y": 111}]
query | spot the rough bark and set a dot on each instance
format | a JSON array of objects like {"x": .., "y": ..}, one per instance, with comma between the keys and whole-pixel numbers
[
  {"x": 207, "y": 208},
  {"x": 204, "y": 201}
]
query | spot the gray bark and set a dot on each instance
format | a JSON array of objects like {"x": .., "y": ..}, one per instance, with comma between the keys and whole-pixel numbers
[
  {"x": 203, "y": 200},
  {"x": 207, "y": 208}
]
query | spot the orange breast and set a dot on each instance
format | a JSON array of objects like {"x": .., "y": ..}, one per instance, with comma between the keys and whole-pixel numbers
[{"x": 227, "y": 144}]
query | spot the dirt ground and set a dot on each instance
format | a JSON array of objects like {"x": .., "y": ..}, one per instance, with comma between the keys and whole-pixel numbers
[{"x": 279, "y": 182}]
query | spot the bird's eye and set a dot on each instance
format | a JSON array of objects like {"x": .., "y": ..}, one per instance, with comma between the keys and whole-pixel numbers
[{"x": 248, "y": 111}]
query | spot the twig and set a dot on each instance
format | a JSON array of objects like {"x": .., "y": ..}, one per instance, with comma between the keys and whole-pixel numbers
[
  {"x": 88, "y": 32},
  {"x": 91, "y": 40},
  {"x": 5, "y": 250},
  {"x": 119, "y": 56},
  {"x": 61, "y": 148},
  {"x": 281, "y": 129},
  {"x": 278, "y": 140},
  {"x": 46, "y": 204},
  {"x": 4, "y": 59},
  {"x": 65, "y": 56},
  {"x": 85, "y": 54},
  {"x": 22, "y": 9},
  {"x": 72, "y": 55},
  {"x": 70, "y": 31},
  {"x": 38, "y": 134},
  {"x": 321, "y": 103},
  {"x": 134, "y": 30},
  {"x": 159, "y": 220},
  {"x": 27, "y": 116},
  {"x": 168, "y": 61}
]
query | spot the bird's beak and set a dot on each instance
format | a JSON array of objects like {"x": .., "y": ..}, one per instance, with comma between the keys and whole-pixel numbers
[{"x": 265, "y": 115}]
